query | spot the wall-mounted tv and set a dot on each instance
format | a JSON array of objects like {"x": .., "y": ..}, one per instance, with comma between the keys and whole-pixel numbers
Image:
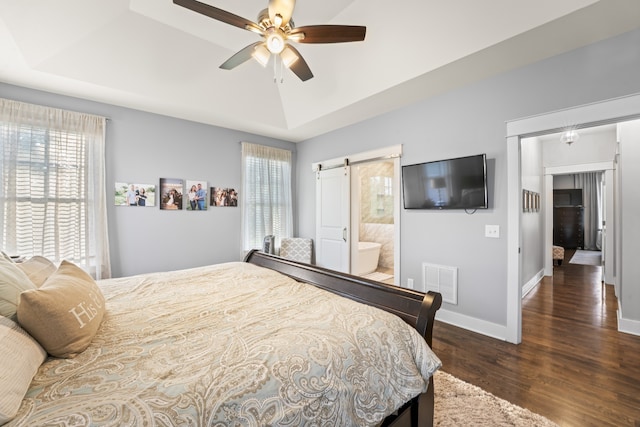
[{"x": 459, "y": 183}]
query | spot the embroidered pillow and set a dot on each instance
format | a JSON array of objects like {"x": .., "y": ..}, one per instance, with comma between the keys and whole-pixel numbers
[
  {"x": 64, "y": 314},
  {"x": 38, "y": 269},
  {"x": 20, "y": 357},
  {"x": 13, "y": 281}
]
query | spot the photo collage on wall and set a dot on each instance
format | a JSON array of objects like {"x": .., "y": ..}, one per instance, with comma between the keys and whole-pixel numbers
[{"x": 175, "y": 194}]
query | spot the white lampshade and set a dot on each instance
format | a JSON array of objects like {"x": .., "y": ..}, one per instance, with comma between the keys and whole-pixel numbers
[
  {"x": 288, "y": 56},
  {"x": 261, "y": 54}
]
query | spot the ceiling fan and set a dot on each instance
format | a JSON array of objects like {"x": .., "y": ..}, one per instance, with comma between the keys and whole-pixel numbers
[{"x": 276, "y": 27}]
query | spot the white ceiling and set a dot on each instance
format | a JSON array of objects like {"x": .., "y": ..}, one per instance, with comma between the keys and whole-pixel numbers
[{"x": 155, "y": 56}]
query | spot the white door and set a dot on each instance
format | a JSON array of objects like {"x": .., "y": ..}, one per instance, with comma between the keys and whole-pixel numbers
[{"x": 333, "y": 230}]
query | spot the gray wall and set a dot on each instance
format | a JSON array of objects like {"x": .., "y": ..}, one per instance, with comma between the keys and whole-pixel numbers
[
  {"x": 142, "y": 148},
  {"x": 467, "y": 121}
]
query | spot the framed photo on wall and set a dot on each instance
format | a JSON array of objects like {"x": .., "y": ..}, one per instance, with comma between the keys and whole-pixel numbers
[
  {"x": 171, "y": 190},
  {"x": 221, "y": 196},
  {"x": 197, "y": 195},
  {"x": 132, "y": 194}
]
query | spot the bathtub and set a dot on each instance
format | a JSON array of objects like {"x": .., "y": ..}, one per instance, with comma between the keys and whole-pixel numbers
[{"x": 367, "y": 258}]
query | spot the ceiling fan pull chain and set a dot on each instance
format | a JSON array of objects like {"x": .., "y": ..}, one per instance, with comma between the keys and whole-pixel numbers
[
  {"x": 275, "y": 68},
  {"x": 281, "y": 70}
]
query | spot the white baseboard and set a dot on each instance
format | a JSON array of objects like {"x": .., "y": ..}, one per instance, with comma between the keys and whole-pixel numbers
[
  {"x": 628, "y": 326},
  {"x": 473, "y": 324},
  {"x": 532, "y": 283}
]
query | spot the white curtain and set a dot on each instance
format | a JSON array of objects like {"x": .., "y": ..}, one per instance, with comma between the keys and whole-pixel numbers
[
  {"x": 591, "y": 184},
  {"x": 52, "y": 194},
  {"x": 266, "y": 195}
]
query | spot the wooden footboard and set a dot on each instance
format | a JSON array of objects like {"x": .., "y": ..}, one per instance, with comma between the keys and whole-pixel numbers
[{"x": 416, "y": 308}]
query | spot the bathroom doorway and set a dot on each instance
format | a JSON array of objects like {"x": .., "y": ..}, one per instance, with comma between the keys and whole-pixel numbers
[
  {"x": 343, "y": 220},
  {"x": 374, "y": 201}
]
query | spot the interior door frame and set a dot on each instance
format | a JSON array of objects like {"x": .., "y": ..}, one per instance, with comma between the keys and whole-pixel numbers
[
  {"x": 391, "y": 152},
  {"x": 549, "y": 172},
  {"x": 605, "y": 112}
]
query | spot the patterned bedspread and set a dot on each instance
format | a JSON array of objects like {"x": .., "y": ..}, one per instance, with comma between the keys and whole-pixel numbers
[{"x": 232, "y": 345}]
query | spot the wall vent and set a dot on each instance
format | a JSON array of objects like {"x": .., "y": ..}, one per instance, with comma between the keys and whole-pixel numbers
[{"x": 441, "y": 278}]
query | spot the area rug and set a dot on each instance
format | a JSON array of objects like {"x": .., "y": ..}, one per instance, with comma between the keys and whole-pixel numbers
[
  {"x": 586, "y": 257},
  {"x": 458, "y": 403}
]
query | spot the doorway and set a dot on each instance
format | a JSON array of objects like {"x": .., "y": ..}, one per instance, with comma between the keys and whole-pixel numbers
[
  {"x": 365, "y": 189},
  {"x": 612, "y": 111},
  {"x": 373, "y": 219}
]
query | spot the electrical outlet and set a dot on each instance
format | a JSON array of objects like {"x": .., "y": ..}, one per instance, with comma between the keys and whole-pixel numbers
[
  {"x": 492, "y": 231},
  {"x": 410, "y": 283}
]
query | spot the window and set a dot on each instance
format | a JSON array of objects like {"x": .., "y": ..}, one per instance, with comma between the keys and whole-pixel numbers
[
  {"x": 266, "y": 194},
  {"x": 52, "y": 196}
]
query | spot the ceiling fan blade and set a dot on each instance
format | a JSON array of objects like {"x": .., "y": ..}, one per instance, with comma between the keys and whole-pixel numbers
[
  {"x": 299, "y": 67},
  {"x": 282, "y": 7},
  {"x": 329, "y": 33},
  {"x": 240, "y": 57},
  {"x": 219, "y": 15}
]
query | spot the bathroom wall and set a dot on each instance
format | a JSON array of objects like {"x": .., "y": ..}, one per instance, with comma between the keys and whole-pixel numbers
[{"x": 376, "y": 208}]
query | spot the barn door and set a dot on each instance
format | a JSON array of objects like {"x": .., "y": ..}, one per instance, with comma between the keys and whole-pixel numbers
[{"x": 333, "y": 231}]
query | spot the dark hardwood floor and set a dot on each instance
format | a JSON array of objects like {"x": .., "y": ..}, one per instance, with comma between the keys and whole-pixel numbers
[{"x": 572, "y": 366}]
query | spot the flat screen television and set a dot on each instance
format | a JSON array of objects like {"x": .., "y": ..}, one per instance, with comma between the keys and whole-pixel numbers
[{"x": 459, "y": 183}]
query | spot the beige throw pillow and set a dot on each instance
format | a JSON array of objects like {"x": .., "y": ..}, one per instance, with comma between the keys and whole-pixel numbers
[
  {"x": 20, "y": 357},
  {"x": 13, "y": 281},
  {"x": 38, "y": 269},
  {"x": 64, "y": 314}
]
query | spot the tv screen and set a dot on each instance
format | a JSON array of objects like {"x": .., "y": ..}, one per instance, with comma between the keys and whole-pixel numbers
[{"x": 459, "y": 183}]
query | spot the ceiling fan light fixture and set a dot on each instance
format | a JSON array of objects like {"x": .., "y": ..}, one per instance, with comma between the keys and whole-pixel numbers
[
  {"x": 277, "y": 20},
  {"x": 288, "y": 57},
  {"x": 570, "y": 136},
  {"x": 275, "y": 41},
  {"x": 254, "y": 29},
  {"x": 275, "y": 25},
  {"x": 296, "y": 37},
  {"x": 261, "y": 54}
]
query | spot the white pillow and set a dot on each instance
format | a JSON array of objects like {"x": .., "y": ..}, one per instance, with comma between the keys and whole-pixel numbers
[
  {"x": 20, "y": 358},
  {"x": 38, "y": 269},
  {"x": 13, "y": 282}
]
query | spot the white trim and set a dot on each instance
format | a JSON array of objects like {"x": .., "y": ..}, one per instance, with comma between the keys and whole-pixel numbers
[
  {"x": 528, "y": 287},
  {"x": 380, "y": 153},
  {"x": 570, "y": 169},
  {"x": 397, "y": 203},
  {"x": 548, "y": 224},
  {"x": 628, "y": 326},
  {"x": 472, "y": 324},
  {"x": 514, "y": 232},
  {"x": 608, "y": 111}
]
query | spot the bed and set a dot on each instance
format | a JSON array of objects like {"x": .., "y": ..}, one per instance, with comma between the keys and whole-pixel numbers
[{"x": 246, "y": 344}]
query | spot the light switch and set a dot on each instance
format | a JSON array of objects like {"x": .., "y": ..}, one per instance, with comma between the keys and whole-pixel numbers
[{"x": 492, "y": 231}]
